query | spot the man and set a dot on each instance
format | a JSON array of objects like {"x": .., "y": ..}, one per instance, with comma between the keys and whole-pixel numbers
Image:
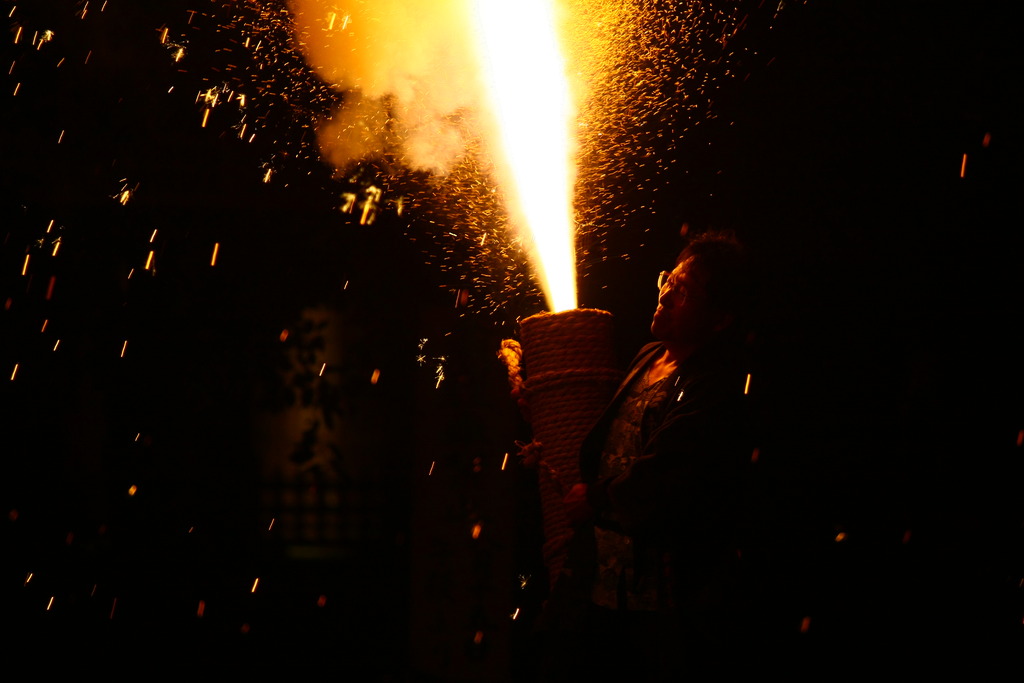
[{"x": 650, "y": 576}]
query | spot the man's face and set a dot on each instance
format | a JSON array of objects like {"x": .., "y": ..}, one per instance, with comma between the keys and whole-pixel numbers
[{"x": 683, "y": 316}]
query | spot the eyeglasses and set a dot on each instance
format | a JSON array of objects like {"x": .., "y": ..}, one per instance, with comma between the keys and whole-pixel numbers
[{"x": 677, "y": 289}]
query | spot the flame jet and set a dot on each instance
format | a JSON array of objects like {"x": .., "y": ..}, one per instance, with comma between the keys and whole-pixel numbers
[
  {"x": 412, "y": 68},
  {"x": 534, "y": 119}
]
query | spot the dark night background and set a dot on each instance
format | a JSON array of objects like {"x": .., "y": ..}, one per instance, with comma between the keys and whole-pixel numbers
[{"x": 887, "y": 373}]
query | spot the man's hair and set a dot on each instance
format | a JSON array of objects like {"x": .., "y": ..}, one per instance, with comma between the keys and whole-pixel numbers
[{"x": 722, "y": 258}]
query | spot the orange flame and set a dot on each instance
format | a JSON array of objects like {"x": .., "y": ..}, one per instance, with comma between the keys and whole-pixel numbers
[{"x": 531, "y": 104}]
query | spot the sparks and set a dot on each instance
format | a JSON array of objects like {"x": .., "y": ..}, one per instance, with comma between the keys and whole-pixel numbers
[
  {"x": 216, "y": 248},
  {"x": 439, "y": 372},
  {"x": 373, "y": 195}
]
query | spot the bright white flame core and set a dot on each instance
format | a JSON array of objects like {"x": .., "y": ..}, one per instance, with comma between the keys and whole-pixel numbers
[{"x": 524, "y": 72}]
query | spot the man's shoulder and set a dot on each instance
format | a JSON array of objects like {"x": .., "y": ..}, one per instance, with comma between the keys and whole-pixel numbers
[{"x": 713, "y": 379}]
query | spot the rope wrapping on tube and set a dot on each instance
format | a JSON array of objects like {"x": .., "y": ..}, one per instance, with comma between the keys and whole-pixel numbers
[{"x": 571, "y": 375}]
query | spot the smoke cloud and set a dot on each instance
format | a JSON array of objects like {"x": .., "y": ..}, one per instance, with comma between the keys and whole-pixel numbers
[{"x": 408, "y": 72}]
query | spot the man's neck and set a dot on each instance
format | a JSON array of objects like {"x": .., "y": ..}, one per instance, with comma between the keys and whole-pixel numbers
[{"x": 668, "y": 360}]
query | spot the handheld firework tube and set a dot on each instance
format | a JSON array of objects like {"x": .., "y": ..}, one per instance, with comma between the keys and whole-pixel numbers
[{"x": 571, "y": 375}]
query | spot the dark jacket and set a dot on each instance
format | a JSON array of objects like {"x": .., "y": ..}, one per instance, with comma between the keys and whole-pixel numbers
[{"x": 684, "y": 495}]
